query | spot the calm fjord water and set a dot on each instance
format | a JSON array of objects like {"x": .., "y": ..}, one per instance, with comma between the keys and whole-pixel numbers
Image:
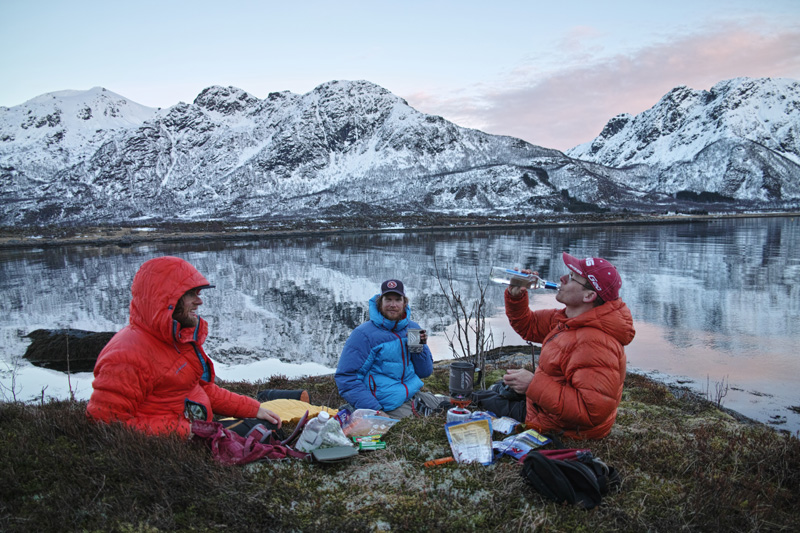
[{"x": 713, "y": 301}]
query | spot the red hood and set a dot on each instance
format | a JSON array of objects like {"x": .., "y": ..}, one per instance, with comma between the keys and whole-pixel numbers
[{"x": 157, "y": 287}]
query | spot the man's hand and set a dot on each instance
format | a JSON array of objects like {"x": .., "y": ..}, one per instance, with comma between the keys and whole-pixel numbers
[
  {"x": 516, "y": 290},
  {"x": 423, "y": 337},
  {"x": 269, "y": 416},
  {"x": 518, "y": 379}
]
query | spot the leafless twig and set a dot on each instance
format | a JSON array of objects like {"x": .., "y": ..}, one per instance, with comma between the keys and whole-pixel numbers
[
  {"x": 470, "y": 320},
  {"x": 720, "y": 390},
  {"x": 12, "y": 389}
]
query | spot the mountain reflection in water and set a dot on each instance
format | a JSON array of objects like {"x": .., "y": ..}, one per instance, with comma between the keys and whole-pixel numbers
[{"x": 712, "y": 300}]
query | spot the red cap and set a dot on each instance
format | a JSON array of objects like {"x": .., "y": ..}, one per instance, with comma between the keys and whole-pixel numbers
[{"x": 600, "y": 273}]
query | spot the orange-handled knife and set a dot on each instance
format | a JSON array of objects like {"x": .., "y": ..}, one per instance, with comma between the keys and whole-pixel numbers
[{"x": 437, "y": 462}]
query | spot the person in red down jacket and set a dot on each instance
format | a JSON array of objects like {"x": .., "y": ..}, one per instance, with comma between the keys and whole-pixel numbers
[
  {"x": 154, "y": 375},
  {"x": 577, "y": 386}
]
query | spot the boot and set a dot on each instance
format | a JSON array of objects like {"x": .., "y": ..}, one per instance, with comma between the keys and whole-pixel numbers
[{"x": 277, "y": 394}]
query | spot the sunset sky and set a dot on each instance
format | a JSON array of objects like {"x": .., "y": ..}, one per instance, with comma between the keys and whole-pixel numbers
[{"x": 551, "y": 73}]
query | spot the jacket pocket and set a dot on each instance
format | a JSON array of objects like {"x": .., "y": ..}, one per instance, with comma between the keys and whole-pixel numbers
[{"x": 194, "y": 411}]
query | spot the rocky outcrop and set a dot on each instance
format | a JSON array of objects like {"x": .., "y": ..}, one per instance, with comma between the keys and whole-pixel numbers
[{"x": 66, "y": 350}]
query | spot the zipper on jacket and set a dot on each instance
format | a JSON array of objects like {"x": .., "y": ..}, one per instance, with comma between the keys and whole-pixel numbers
[
  {"x": 403, "y": 357},
  {"x": 206, "y": 370},
  {"x": 372, "y": 386}
]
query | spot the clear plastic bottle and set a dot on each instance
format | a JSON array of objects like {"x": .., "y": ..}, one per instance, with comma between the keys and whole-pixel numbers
[
  {"x": 516, "y": 278},
  {"x": 311, "y": 437}
]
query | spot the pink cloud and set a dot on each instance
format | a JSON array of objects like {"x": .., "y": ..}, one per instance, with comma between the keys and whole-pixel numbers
[{"x": 571, "y": 106}]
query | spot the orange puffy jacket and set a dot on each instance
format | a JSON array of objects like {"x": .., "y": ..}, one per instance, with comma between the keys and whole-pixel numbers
[
  {"x": 577, "y": 385},
  {"x": 152, "y": 370}
]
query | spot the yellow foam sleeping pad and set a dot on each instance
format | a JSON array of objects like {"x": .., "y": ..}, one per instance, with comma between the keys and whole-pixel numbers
[{"x": 291, "y": 411}]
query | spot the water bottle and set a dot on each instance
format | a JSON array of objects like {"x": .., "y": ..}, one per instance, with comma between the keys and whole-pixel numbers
[
  {"x": 515, "y": 278},
  {"x": 311, "y": 437}
]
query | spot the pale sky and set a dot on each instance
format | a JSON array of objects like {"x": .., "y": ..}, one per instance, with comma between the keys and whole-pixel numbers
[{"x": 551, "y": 73}]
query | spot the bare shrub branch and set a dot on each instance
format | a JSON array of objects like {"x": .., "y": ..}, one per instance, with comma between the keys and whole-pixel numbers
[
  {"x": 470, "y": 334},
  {"x": 720, "y": 390}
]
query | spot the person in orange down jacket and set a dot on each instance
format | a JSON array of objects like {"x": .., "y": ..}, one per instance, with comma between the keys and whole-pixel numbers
[
  {"x": 154, "y": 375},
  {"x": 577, "y": 386}
]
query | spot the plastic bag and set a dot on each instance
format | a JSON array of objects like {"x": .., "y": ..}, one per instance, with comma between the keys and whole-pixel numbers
[
  {"x": 513, "y": 446},
  {"x": 311, "y": 437},
  {"x": 363, "y": 422},
  {"x": 505, "y": 425},
  {"x": 333, "y": 435}
]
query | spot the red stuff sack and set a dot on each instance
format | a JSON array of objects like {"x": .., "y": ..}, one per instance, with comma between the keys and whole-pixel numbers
[{"x": 230, "y": 448}]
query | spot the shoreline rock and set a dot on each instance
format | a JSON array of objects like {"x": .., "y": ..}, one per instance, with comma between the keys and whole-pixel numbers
[{"x": 72, "y": 350}]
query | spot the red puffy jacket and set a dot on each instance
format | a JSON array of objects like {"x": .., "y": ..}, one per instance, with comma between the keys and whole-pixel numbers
[
  {"x": 151, "y": 370},
  {"x": 577, "y": 385}
]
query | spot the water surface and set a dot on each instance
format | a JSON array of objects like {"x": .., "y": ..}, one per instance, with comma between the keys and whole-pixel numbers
[{"x": 714, "y": 302}]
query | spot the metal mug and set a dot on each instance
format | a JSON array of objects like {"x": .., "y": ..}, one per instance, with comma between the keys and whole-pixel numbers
[{"x": 414, "y": 340}]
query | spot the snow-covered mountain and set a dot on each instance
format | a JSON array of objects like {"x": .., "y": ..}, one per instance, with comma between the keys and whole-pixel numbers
[
  {"x": 739, "y": 140},
  {"x": 57, "y": 130},
  {"x": 346, "y": 148}
]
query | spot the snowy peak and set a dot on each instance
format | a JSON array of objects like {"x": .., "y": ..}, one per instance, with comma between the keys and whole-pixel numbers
[
  {"x": 764, "y": 111},
  {"x": 684, "y": 122},
  {"x": 65, "y": 126},
  {"x": 226, "y": 100},
  {"x": 614, "y": 126},
  {"x": 98, "y": 107}
]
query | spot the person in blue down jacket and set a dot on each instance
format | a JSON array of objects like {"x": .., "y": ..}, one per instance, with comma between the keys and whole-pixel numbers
[{"x": 376, "y": 370}]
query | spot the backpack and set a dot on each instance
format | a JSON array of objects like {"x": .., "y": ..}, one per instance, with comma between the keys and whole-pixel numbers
[
  {"x": 228, "y": 447},
  {"x": 571, "y": 475},
  {"x": 246, "y": 427}
]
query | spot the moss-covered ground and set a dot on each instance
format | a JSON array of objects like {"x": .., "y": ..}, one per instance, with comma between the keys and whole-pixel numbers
[{"x": 685, "y": 465}]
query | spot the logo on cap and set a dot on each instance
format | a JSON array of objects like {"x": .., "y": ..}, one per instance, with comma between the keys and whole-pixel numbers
[
  {"x": 391, "y": 285},
  {"x": 593, "y": 279}
]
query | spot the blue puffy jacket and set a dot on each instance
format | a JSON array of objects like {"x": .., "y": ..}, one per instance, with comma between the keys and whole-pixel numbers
[{"x": 376, "y": 370}]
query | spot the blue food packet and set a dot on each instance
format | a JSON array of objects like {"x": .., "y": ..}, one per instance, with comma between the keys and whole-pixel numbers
[
  {"x": 512, "y": 446},
  {"x": 343, "y": 416},
  {"x": 533, "y": 438}
]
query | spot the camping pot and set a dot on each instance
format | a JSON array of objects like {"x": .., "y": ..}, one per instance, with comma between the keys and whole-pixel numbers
[{"x": 462, "y": 375}]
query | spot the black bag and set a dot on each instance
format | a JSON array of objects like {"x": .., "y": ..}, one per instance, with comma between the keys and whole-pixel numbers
[
  {"x": 572, "y": 476},
  {"x": 260, "y": 429}
]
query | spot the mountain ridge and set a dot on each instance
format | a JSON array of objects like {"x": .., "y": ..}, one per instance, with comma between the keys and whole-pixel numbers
[
  {"x": 748, "y": 127},
  {"x": 346, "y": 148}
]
